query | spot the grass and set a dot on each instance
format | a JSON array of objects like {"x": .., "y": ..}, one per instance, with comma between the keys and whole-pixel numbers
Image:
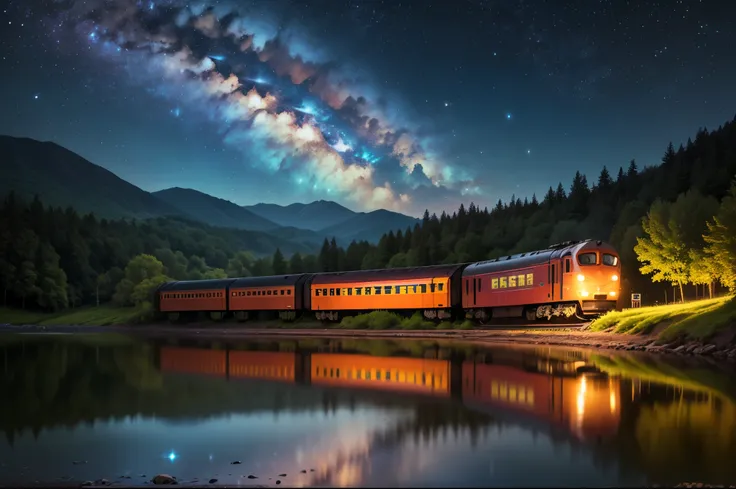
[
  {"x": 390, "y": 320},
  {"x": 84, "y": 316},
  {"x": 695, "y": 320}
]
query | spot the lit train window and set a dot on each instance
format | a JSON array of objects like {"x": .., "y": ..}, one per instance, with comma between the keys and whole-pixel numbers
[
  {"x": 520, "y": 281},
  {"x": 440, "y": 287},
  {"x": 587, "y": 259},
  {"x": 529, "y": 278},
  {"x": 502, "y": 283},
  {"x": 512, "y": 281},
  {"x": 610, "y": 260},
  {"x": 494, "y": 283}
]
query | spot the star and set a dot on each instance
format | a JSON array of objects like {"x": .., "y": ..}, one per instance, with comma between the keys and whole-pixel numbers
[
  {"x": 36, "y": 96},
  {"x": 528, "y": 151},
  {"x": 508, "y": 116}
]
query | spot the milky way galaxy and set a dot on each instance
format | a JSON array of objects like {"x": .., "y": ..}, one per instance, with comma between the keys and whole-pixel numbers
[
  {"x": 404, "y": 105},
  {"x": 313, "y": 125}
]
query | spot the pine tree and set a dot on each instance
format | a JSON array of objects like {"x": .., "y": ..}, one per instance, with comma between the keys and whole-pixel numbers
[{"x": 278, "y": 264}]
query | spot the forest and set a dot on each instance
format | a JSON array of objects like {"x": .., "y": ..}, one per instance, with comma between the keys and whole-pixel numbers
[{"x": 674, "y": 225}]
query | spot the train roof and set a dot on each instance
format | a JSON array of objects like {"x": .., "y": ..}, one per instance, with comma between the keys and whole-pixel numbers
[
  {"x": 443, "y": 271},
  {"x": 520, "y": 260},
  {"x": 213, "y": 284},
  {"x": 269, "y": 281}
]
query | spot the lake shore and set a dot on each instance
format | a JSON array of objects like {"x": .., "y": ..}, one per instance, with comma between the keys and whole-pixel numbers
[{"x": 718, "y": 348}]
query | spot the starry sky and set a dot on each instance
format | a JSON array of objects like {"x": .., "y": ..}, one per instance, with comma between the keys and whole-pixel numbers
[{"x": 396, "y": 104}]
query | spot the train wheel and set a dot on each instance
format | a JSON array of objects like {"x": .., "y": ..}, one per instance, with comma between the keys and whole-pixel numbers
[
  {"x": 216, "y": 315},
  {"x": 530, "y": 313},
  {"x": 241, "y": 316}
]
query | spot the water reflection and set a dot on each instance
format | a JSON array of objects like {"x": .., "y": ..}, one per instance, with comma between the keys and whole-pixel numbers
[{"x": 347, "y": 413}]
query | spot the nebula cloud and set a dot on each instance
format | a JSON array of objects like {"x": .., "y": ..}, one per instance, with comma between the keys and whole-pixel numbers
[{"x": 274, "y": 96}]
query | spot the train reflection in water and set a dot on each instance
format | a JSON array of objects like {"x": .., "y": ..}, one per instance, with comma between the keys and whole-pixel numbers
[{"x": 553, "y": 391}]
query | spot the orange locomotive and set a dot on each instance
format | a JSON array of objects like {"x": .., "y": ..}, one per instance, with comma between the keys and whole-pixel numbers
[{"x": 570, "y": 279}]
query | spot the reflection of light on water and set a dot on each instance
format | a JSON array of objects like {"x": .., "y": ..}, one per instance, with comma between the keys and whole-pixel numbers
[
  {"x": 613, "y": 402},
  {"x": 581, "y": 406}
]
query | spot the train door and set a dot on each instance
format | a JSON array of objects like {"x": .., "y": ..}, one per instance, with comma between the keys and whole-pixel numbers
[
  {"x": 552, "y": 274},
  {"x": 566, "y": 279},
  {"x": 476, "y": 286},
  {"x": 428, "y": 298}
]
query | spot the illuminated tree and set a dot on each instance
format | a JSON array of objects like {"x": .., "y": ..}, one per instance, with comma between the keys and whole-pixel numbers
[
  {"x": 721, "y": 239},
  {"x": 662, "y": 251}
]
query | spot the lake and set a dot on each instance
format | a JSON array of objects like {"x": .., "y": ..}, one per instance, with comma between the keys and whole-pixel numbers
[{"x": 321, "y": 412}]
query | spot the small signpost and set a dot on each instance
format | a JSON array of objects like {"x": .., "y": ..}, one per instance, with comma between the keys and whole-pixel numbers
[{"x": 635, "y": 300}]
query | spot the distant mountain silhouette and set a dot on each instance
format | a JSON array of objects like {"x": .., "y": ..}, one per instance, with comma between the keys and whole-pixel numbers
[
  {"x": 214, "y": 211},
  {"x": 329, "y": 218},
  {"x": 370, "y": 226},
  {"x": 318, "y": 215},
  {"x": 62, "y": 178}
]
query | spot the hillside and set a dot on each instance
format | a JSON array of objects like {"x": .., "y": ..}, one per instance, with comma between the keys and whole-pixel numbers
[
  {"x": 214, "y": 211},
  {"x": 370, "y": 226},
  {"x": 63, "y": 178},
  {"x": 315, "y": 216}
]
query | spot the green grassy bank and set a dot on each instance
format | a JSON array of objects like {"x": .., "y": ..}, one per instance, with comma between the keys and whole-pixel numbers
[
  {"x": 84, "y": 316},
  {"x": 694, "y": 320}
]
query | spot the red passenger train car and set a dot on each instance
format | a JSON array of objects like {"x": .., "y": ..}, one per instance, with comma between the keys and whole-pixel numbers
[
  {"x": 283, "y": 294},
  {"x": 433, "y": 290},
  {"x": 574, "y": 278},
  {"x": 187, "y": 296}
]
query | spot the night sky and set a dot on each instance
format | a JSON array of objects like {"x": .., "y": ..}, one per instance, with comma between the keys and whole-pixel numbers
[{"x": 404, "y": 105}]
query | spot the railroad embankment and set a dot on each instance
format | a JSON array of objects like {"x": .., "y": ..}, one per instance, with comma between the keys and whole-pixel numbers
[{"x": 702, "y": 328}]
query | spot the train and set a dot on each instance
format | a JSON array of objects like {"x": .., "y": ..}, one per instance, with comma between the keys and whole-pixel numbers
[{"x": 574, "y": 278}]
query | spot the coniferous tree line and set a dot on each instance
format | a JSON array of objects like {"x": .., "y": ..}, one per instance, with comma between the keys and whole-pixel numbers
[{"x": 54, "y": 258}]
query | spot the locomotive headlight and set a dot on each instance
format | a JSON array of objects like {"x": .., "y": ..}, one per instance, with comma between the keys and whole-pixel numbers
[
  {"x": 581, "y": 277},
  {"x": 612, "y": 294},
  {"x": 584, "y": 293},
  {"x": 614, "y": 277}
]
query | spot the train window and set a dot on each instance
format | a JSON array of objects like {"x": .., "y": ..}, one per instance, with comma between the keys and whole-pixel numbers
[
  {"x": 332, "y": 291},
  {"x": 283, "y": 292},
  {"x": 398, "y": 289},
  {"x": 610, "y": 260},
  {"x": 440, "y": 287},
  {"x": 367, "y": 291},
  {"x": 512, "y": 281},
  {"x": 316, "y": 292},
  {"x": 288, "y": 292},
  {"x": 378, "y": 290},
  {"x": 415, "y": 288},
  {"x": 324, "y": 291},
  {"x": 337, "y": 291},
  {"x": 587, "y": 259},
  {"x": 530, "y": 279},
  {"x": 431, "y": 288},
  {"x": 520, "y": 281},
  {"x": 567, "y": 265},
  {"x": 358, "y": 290},
  {"x": 494, "y": 283},
  {"x": 268, "y": 292},
  {"x": 424, "y": 288},
  {"x": 502, "y": 283},
  {"x": 387, "y": 289},
  {"x": 350, "y": 290}
]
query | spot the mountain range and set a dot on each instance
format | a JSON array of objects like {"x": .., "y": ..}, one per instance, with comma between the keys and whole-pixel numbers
[{"x": 60, "y": 177}]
